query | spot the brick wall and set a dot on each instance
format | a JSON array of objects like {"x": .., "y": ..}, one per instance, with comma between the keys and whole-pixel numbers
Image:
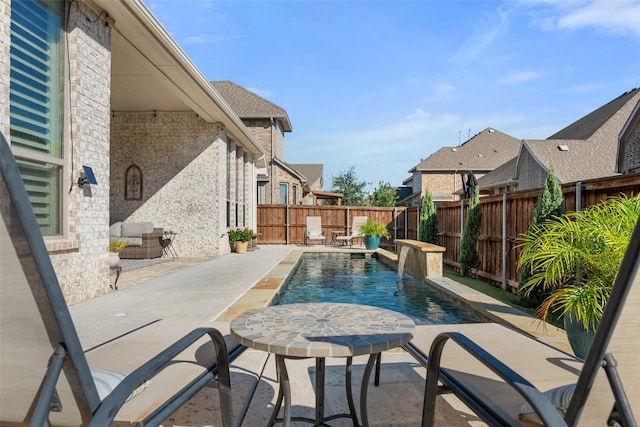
[
  {"x": 183, "y": 160},
  {"x": 79, "y": 255}
]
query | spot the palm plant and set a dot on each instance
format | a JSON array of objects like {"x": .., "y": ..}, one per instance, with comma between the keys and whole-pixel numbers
[{"x": 576, "y": 257}]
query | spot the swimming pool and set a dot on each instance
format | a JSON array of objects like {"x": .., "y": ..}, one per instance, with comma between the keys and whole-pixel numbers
[{"x": 362, "y": 279}]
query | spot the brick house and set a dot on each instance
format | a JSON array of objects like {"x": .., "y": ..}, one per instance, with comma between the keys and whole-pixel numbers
[
  {"x": 440, "y": 172},
  {"x": 586, "y": 149},
  {"x": 110, "y": 89},
  {"x": 280, "y": 182}
]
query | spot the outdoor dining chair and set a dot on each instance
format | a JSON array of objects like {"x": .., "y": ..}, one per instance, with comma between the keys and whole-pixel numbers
[
  {"x": 355, "y": 231},
  {"x": 500, "y": 374},
  {"x": 314, "y": 230},
  {"x": 45, "y": 374}
]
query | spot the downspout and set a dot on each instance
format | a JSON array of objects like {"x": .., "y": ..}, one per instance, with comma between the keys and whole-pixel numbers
[{"x": 272, "y": 178}]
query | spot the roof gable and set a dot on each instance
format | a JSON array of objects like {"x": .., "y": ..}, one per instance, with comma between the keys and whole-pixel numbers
[{"x": 483, "y": 152}]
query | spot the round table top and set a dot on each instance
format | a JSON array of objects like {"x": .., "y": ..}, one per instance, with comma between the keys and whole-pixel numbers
[{"x": 322, "y": 329}]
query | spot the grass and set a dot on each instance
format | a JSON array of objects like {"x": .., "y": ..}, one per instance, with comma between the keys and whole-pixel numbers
[{"x": 497, "y": 293}]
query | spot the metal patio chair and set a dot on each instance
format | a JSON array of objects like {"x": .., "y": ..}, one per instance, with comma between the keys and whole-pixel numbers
[
  {"x": 485, "y": 365},
  {"x": 45, "y": 374}
]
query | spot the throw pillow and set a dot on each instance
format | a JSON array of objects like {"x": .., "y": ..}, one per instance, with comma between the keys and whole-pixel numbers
[
  {"x": 559, "y": 397},
  {"x": 107, "y": 381}
]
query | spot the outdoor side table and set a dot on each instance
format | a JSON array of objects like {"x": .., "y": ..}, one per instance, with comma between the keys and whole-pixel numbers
[
  {"x": 167, "y": 244},
  {"x": 322, "y": 330}
]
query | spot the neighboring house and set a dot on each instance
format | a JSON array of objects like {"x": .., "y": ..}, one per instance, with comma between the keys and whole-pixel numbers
[
  {"x": 110, "y": 89},
  {"x": 586, "y": 149},
  {"x": 440, "y": 173},
  {"x": 280, "y": 182},
  {"x": 628, "y": 158}
]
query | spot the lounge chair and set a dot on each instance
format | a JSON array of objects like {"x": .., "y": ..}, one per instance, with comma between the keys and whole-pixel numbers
[
  {"x": 314, "y": 230},
  {"x": 355, "y": 231},
  {"x": 485, "y": 365},
  {"x": 45, "y": 375}
]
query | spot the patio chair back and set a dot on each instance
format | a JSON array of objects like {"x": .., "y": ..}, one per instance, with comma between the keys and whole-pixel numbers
[
  {"x": 34, "y": 318},
  {"x": 314, "y": 226},
  {"x": 358, "y": 221},
  {"x": 44, "y": 374}
]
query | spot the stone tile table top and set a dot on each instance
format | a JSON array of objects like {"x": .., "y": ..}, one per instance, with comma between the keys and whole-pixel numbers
[{"x": 322, "y": 329}]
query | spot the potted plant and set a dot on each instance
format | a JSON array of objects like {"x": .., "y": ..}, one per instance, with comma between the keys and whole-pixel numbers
[
  {"x": 371, "y": 232},
  {"x": 240, "y": 238},
  {"x": 576, "y": 257},
  {"x": 115, "y": 246}
]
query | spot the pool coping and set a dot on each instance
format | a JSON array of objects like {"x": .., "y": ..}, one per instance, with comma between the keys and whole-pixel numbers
[{"x": 263, "y": 291}]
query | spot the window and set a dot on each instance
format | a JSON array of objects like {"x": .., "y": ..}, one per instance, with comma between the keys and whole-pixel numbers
[
  {"x": 294, "y": 196},
  {"x": 36, "y": 105},
  {"x": 284, "y": 189}
]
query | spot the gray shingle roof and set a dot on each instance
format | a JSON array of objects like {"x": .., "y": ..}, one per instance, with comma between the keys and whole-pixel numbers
[
  {"x": 248, "y": 105},
  {"x": 595, "y": 156},
  {"x": 313, "y": 173},
  {"x": 484, "y": 152},
  {"x": 585, "y": 127},
  {"x": 500, "y": 175}
]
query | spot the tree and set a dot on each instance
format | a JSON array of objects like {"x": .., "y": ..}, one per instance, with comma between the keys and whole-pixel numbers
[
  {"x": 384, "y": 195},
  {"x": 549, "y": 206},
  {"x": 428, "y": 220},
  {"x": 469, "y": 258},
  {"x": 346, "y": 182}
]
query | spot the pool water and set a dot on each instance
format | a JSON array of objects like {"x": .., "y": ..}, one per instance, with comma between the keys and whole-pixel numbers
[{"x": 362, "y": 279}]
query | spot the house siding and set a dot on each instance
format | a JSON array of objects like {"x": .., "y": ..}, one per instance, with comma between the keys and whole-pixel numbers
[
  {"x": 80, "y": 255},
  {"x": 183, "y": 164}
]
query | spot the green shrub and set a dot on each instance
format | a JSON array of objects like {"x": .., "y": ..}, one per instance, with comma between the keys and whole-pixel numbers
[
  {"x": 469, "y": 258},
  {"x": 240, "y": 235},
  {"x": 428, "y": 220}
]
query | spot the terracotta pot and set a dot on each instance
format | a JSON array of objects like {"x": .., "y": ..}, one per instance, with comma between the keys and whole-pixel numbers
[{"x": 241, "y": 247}]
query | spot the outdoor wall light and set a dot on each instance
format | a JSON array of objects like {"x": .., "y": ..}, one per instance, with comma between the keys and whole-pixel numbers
[{"x": 87, "y": 177}]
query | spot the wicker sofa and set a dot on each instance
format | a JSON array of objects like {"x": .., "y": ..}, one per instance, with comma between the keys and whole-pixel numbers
[{"x": 144, "y": 240}]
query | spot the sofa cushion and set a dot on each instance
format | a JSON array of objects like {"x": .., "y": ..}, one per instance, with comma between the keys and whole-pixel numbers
[
  {"x": 132, "y": 241},
  {"x": 115, "y": 230},
  {"x": 136, "y": 229}
]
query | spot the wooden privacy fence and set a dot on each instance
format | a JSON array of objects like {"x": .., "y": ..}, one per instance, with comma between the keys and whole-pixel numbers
[
  {"x": 286, "y": 224},
  {"x": 504, "y": 218}
]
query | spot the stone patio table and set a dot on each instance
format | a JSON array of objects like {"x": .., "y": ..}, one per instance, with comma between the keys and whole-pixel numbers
[{"x": 322, "y": 330}]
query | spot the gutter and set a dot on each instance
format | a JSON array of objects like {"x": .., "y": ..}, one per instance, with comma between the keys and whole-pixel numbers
[{"x": 154, "y": 42}]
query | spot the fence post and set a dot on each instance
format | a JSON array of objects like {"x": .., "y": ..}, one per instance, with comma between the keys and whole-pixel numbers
[
  {"x": 286, "y": 224},
  {"x": 395, "y": 228},
  {"x": 504, "y": 241},
  {"x": 418, "y": 222},
  {"x": 578, "y": 196},
  {"x": 461, "y": 218}
]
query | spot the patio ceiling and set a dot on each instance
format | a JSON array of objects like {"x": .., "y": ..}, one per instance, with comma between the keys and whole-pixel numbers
[{"x": 150, "y": 72}]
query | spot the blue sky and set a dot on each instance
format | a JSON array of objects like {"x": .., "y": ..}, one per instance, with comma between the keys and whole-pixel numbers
[{"x": 384, "y": 84}]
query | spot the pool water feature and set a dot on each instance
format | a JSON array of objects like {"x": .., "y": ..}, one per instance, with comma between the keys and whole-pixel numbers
[{"x": 363, "y": 279}]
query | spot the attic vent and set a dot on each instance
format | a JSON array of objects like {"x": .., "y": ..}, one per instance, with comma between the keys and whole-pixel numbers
[
  {"x": 491, "y": 130},
  {"x": 454, "y": 149},
  {"x": 563, "y": 147}
]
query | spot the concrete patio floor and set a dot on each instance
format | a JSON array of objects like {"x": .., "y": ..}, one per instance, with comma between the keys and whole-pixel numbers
[{"x": 196, "y": 292}]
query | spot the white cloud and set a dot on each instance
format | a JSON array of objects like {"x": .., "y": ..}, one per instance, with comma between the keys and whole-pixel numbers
[
  {"x": 616, "y": 17},
  {"x": 483, "y": 37},
  {"x": 520, "y": 76},
  {"x": 444, "y": 88}
]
